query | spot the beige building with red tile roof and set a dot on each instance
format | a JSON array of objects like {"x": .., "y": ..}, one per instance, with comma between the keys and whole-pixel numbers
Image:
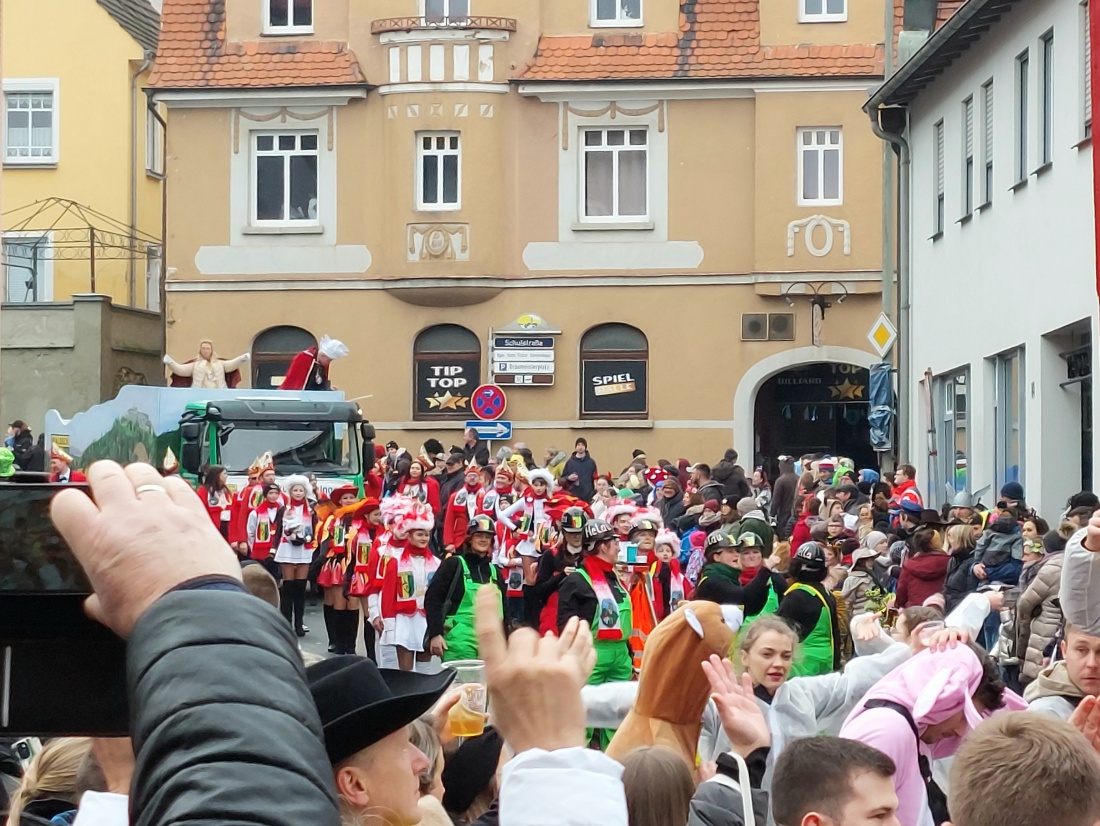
[{"x": 657, "y": 224}]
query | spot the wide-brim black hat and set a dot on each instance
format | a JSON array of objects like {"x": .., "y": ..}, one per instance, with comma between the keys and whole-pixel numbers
[{"x": 360, "y": 703}]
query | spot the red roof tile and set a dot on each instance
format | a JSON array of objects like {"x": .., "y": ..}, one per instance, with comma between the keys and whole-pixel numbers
[
  {"x": 193, "y": 53},
  {"x": 717, "y": 39}
]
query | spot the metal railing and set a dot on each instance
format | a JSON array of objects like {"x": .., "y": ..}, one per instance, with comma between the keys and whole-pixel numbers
[{"x": 406, "y": 24}]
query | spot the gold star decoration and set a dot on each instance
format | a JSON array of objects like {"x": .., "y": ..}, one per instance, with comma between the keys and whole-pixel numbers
[
  {"x": 847, "y": 390},
  {"x": 447, "y": 401}
]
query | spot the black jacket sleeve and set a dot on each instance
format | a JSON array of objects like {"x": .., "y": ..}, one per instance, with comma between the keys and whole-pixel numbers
[
  {"x": 220, "y": 714},
  {"x": 436, "y": 595},
  {"x": 720, "y": 590},
  {"x": 756, "y": 592},
  {"x": 548, "y": 578},
  {"x": 803, "y": 610},
  {"x": 576, "y": 599}
]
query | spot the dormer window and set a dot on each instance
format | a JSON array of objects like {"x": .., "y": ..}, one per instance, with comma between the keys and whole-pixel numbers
[
  {"x": 822, "y": 11},
  {"x": 444, "y": 12},
  {"x": 616, "y": 13},
  {"x": 288, "y": 16}
]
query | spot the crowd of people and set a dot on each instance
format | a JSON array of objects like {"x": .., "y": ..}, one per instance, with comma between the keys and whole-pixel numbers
[{"x": 676, "y": 643}]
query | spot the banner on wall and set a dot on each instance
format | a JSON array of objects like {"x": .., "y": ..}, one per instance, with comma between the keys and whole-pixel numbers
[
  {"x": 444, "y": 384},
  {"x": 615, "y": 386}
]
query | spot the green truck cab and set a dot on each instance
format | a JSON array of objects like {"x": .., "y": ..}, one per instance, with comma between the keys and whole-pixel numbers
[{"x": 328, "y": 439}]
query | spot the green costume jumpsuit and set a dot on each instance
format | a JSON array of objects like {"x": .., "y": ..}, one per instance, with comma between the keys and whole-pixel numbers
[
  {"x": 613, "y": 660},
  {"x": 819, "y": 645},
  {"x": 459, "y": 632}
]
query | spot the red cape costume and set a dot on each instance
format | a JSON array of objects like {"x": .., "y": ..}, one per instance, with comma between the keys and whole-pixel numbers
[{"x": 300, "y": 367}]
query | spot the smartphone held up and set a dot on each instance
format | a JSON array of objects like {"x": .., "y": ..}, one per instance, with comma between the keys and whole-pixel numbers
[{"x": 61, "y": 673}]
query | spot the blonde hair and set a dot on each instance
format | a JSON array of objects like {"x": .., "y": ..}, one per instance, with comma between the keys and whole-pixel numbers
[
  {"x": 763, "y": 625},
  {"x": 961, "y": 536},
  {"x": 51, "y": 774}
]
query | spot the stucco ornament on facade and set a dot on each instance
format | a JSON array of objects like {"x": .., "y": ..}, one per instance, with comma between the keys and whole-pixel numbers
[
  {"x": 283, "y": 113},
  {"x": 829, "y": 227},
  {"x": 439, "y": 242}
]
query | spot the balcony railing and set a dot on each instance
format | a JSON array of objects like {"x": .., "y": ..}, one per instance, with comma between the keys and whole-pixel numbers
[{"x": 408, "y": 24}]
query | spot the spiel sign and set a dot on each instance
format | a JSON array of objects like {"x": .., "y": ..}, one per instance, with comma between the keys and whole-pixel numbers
[{"x": 618, "y": 386}]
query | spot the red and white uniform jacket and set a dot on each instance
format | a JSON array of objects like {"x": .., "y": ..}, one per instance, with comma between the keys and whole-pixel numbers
[
  {"x": 464, "y": 505},
  {"x": 263, "y": 529},
  {"x": 360, "y": 542},
  {"x": 426, "y": 490},
  {"x": 405, "y": 580}
]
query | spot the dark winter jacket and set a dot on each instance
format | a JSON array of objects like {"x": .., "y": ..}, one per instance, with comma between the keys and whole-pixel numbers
[
  {"x": 755, "y": 522},
  {"x": 220, "y": 672},
  {"x": 959, "y": 581},
  {"x": 996, "y": 547},
  {"x": 21, "y": 447},
  {"x": 585, "y": 486},
  {"x": 671, "y": 510},
  {"x": 921, "y": 577},
  {"x": 711, "y": 490},
  {"x": 477, "y": 452},
  {"x": 783, "y": 492},
  {"x": 719, "y": 802},
  {"x": 448, "y": 580},
  {"x": 731, "y": 476}
]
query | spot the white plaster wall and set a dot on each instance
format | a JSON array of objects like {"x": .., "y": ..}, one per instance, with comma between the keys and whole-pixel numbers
[{"x": 1017, "y": 271}]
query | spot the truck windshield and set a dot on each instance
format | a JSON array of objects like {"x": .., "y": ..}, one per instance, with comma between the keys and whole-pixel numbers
[{"x": 323, "y": 448}]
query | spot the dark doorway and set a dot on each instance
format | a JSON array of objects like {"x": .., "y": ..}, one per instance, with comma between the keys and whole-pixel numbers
[
  {"x": 814, "y": 408},
  {"x": 272, "y": 352}
]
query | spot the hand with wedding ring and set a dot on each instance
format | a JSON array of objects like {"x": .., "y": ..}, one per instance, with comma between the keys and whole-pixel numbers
[{"x": 141, "y": 537}]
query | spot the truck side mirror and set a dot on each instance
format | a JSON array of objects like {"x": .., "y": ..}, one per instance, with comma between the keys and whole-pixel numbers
[{"x": 190, "y": 448}]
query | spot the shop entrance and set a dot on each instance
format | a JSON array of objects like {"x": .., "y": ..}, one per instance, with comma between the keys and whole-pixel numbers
[{"x": 814, "y": 408}]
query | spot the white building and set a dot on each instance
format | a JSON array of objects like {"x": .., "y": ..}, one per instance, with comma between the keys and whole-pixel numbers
[{"x": 1003, "y": 262}]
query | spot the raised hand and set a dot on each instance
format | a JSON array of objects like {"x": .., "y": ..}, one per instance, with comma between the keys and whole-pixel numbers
[{"x": 742, "y": 720}]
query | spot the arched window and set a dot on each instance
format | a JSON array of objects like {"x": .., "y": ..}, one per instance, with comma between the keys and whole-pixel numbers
[
  {"x": 614, "y": 373},
  {"x": 272, "y": 352},
  {"x": 447, "y": 363}
]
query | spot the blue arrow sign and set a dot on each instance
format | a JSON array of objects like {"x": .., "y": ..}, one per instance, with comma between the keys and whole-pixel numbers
[{"x": 491, "y": 430}]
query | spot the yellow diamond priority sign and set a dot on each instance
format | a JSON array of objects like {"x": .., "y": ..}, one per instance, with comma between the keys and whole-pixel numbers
[{"x": 882, "y": 335}]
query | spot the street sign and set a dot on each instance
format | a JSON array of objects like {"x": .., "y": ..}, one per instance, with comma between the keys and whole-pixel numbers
[
  {"x": 488, "y": 402},
  {"x": 522, "y": 367},
  {"x": 523, "y": 342},
  {"x": 882, "y": 335},
  {"x": 523, "y": 355},
  {"x": 524, "y": 380},
  {"x": 491, "y": 431}
]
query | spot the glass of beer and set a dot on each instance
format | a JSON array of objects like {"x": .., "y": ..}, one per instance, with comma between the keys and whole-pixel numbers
[{"x": 467, "y": 716}]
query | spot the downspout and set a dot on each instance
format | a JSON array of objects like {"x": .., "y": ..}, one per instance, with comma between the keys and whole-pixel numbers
[
  {"x": 902, "y": 348},
  {"x": 147, "y": 61},
  {"x": 888, "y": 185}
]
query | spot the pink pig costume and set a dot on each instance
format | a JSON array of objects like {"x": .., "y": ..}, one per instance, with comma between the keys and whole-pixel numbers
[{"x": 932, "y": 686}]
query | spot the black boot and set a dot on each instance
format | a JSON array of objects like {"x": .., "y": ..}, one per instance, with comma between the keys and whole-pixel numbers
[
  {"x": 286, "y": 599},
  {"x": 332, "y": 629},
  {"x": 350, "y": 631},
  {"x": 299, "y": 607},
  {"x": 368, "y": 639}
]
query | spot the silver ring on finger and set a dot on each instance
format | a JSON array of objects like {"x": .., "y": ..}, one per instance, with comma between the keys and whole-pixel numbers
[{"x": 150, "y": 489}]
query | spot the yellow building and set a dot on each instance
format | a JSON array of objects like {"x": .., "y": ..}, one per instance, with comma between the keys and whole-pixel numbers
[
  {"x": 641, "y": 221},
  {"x": 83, "y": 162}
]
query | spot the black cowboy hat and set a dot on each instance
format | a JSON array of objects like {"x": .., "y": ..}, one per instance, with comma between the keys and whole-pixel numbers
[{"x": 360, "y": 703}]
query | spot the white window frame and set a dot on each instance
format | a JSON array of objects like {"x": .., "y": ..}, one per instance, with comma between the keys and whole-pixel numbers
[
  {"x": 290, "y": 28},
  {"x": 939, "y": 179},
  {"x": 823, "y": 16},
  {"x": 1021, "y": 105},
  {"x": 1086, "y": 73},
  {"x": 154, "y": 143},
  {"x": 620, "y": 21},
  {"x": 1046, "y": 98},
  {"x": 45, "y": 284},
  {"x": 421, "y": 153},
  {"x": 253, "y": 182},
  {"x": 950, "y": 425},
  {"x": 988, "y": 169},
  {"x": 801, "y": 149},
  {"x": 1004, "y": 429},
  {"x": 23, "y": 86},
  {"x": 154, "y": 273},
  {"x": 969, "y": 164},
  {"x": 582, "y": 184},
  {"x": 447, "y": 21}
]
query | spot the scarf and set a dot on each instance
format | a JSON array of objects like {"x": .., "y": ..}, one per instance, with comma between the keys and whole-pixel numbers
[
  {"x": 720, "y": 570},
  {"x": 748, "y": 575}
]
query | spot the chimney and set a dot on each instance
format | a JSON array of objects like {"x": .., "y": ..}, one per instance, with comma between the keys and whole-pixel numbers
[{"x": 920, "y": 19}]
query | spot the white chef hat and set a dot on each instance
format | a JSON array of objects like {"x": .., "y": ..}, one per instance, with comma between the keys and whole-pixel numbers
[{"x": 332, "y": 348}]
